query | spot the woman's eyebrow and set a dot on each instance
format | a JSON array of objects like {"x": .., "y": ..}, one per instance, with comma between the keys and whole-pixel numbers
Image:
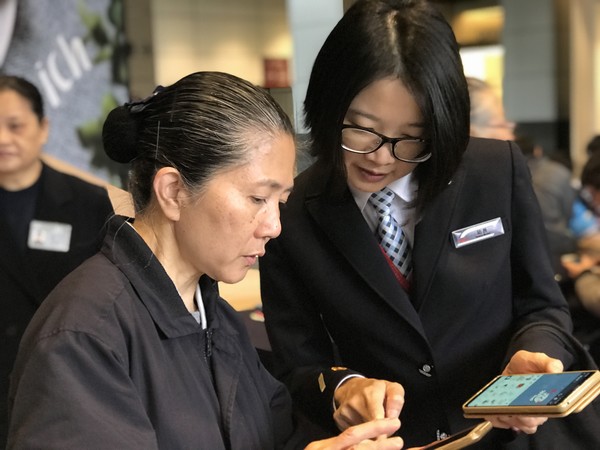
[{"x": 273, "y": 184}]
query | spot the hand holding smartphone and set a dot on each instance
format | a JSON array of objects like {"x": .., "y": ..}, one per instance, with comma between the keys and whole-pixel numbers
[{"x": 535, "y": 394}]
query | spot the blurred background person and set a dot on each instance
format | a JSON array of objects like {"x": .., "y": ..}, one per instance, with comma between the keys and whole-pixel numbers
[
  {"x": 582, "y": 266},
  {"x": 50, "y": 222},
  {"x": 488, "y": 119},
  {"x": 583, "y": 269},
  {"x": 593, "y": 146},
  {"x": 585, "y": 217},
  {"x": 555, "y": 193}
]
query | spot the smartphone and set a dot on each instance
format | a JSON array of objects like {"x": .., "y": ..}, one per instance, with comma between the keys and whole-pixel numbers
[
  {"x": 461, "y": 439},
  {"x": 535, "y": 394}
]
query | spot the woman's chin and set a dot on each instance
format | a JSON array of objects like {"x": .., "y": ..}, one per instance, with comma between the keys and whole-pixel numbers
[{"x": 234, "y": 277}]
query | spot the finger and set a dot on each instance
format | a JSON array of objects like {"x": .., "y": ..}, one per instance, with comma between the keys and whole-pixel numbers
[
  {"x": 529, "y": 422},
  {"x": 394, "y": 443},
  {"x": 555, "y": 366},
  {"x": 341, "y": 421},
  {"x": 368, "y": 430},
  {"x": 500, "y": 422},
  {"x": 529, "y": 362},
  {"x": 374, "y": 398},
  {"x": 527, "y": 425},
  {"x": 526, "y": 430},
  {"x": 540, "y": 362},
  {"x": 394, "y": 400},
  {"x": 354, "y": 412}
]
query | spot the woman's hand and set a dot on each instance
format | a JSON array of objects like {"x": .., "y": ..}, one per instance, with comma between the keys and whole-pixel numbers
[
  {"x": 526, "y": 362},
  {"x": 373, "y": 435},
  {"x": 363, "y": 399}
]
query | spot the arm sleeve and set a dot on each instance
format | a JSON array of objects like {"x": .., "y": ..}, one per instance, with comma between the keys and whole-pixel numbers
[
  {"x": 70, "y": 391},
  {"x": 310, "y": 371},
  {"x": 537, "y": 298}
]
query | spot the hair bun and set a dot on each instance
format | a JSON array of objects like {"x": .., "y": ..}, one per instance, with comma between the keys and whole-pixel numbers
[{"x": 120, "y": 135}]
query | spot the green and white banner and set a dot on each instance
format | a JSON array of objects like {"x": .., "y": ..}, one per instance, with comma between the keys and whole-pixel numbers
[{"x": 75, "y": 52}]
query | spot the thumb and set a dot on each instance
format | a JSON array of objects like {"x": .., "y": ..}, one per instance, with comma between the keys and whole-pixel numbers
[{"x": 555, "y": 366}]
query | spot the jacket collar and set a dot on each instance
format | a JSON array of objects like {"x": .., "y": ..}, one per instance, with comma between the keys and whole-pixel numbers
[
  {"x": 340, "y": 219},
  {"x": 128, "y": 251}
]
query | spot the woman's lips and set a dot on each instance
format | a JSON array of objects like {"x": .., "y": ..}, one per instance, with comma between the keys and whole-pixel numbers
[{"x": 370, "y": 176}]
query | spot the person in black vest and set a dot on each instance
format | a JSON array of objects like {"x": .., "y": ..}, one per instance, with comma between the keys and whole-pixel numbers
[{"x": 50, "y": 222}]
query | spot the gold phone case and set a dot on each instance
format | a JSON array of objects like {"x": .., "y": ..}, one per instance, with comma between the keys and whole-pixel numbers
[{"x": 572, "y": 403}]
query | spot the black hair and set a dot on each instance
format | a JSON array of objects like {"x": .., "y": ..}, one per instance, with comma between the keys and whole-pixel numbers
[
  {"x": 408, "y": 39},
  {"x": 25, "y": 89},
  {"x": 593, "y": 145},
  {"x": 590, "y": 175},
  {"x": 205, "y": 122},
  {"x": 526, "y": 144}
]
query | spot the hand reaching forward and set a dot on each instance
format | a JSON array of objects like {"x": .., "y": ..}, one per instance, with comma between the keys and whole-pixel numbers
[
  {"x": 526, "y": 362},
  {"x": 363, "y": 399},
  {"x": 373, "y": 435}
]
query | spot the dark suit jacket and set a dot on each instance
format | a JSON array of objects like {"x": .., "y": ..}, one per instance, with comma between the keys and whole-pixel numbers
[
  {"x": 26, "y": 280},
  {"x": 325, "y": 279}
]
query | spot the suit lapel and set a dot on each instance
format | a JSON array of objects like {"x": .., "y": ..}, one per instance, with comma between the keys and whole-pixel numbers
[
  {"x": 342, "y": 221},
  {"x": 53, "y": 206},
  {"x": 432, "y": 234},
  {"x": 53, "y": 195}
]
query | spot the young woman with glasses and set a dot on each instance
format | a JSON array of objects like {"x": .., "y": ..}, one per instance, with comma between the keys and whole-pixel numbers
[{"x": 410, "y": 252}]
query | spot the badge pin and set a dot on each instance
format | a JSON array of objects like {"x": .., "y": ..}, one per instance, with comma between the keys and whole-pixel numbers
[{"x": 478, "y": 232}]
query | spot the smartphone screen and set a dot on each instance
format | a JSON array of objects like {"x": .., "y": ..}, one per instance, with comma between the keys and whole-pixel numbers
[{"x": 530, "y": 390}]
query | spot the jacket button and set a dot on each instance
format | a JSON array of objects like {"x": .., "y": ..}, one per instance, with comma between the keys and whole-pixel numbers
[{"x": 426, "y": 370}]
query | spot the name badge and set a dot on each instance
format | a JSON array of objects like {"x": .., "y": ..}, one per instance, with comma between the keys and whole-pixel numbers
[
  {"x": 478, "y": 232},
  {"x": 51, "y": 236}
]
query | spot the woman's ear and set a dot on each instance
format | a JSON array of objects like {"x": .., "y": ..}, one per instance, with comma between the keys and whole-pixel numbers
[{"x": 168, "y": 188}]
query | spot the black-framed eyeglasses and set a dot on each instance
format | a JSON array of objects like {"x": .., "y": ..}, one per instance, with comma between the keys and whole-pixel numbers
[{"x": 362, "y": 140}]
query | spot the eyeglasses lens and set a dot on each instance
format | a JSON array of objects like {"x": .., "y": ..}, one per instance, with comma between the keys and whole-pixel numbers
[{"x": 363, "y": 141}]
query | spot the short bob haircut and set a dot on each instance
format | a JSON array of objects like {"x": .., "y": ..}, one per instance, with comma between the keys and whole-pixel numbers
[{"x": 408, "y": 39}]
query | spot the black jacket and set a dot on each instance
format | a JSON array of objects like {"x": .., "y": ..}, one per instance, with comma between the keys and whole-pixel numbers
[
  {"x": 324, "y": 280},
  {"x": 25, "y": 280},
  {"x": 113, "y": 360}
]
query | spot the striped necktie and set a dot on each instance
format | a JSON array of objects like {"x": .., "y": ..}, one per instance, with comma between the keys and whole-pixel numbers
[{"x": 391, "y": 236}]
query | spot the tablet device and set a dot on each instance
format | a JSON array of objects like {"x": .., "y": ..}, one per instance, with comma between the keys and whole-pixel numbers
[{"x": 536, "y": 394}]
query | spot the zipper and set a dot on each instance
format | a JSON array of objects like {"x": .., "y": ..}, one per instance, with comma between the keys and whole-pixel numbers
[{"x": 208, "y": 343}]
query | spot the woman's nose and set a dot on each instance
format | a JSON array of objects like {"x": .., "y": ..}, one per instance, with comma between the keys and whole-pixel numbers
[
  {"x": 383, "y": 155},
  {"x": 271, "y": 225}
]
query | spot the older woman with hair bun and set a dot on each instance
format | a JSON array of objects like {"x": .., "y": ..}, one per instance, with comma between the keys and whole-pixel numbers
[{"x": 136, "y": 349}]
